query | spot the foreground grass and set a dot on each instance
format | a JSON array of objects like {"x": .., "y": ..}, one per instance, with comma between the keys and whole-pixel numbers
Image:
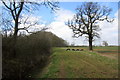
[{"x": 79, "y": 64}]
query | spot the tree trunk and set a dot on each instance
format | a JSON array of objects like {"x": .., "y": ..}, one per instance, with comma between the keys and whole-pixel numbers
[
  {"x": 15, "y": 38},
  {"x": 90, "y": 43},
  {"x": 14, "y": 46},
  {"x": 16, "y": 27}
]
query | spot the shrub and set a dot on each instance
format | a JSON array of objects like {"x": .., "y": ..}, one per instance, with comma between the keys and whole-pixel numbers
[{"x": 31, "y": 51}]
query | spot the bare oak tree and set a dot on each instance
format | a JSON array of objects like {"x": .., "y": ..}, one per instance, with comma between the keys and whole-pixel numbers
[{"x": 85, "y": 22}]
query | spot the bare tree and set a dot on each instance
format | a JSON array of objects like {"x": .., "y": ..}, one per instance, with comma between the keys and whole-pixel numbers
[
  {"x": 85, "y": 22},
  {"x": 105, "y": 43},
  {"x": 17, "y": 7}
]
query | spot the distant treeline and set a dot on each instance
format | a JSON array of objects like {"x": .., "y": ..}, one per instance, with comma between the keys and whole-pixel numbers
[
  {"x": 93, "y": 46},
  {"x": 32, "y": 51}
]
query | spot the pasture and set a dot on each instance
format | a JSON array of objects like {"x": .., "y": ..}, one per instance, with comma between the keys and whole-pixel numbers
[{"x": 100, "y": 63}]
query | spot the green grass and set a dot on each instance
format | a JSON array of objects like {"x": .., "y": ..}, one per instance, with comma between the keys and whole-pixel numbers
[{"x": 79, "y": 64}]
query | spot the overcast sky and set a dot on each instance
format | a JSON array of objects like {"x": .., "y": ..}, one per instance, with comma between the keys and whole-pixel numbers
[{"x": 56, "y": 22}]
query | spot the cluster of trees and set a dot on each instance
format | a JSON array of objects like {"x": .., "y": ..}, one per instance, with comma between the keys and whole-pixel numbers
[{"x": 54, "y": 40}]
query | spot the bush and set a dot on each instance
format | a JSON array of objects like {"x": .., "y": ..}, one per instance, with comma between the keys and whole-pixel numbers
[{"x": 31, "y": 51}]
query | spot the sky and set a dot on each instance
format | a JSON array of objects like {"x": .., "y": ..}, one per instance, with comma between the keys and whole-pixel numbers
[{"x": 56, "y": 23}]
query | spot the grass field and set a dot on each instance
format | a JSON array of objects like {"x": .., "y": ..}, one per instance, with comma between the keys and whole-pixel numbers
[{"x": 101, "y": 63}]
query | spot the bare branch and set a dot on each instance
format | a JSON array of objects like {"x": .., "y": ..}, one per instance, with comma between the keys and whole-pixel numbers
[{"x": 6, "y": 5}]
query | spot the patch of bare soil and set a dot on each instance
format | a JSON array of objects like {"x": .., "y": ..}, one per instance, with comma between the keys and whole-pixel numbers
[
  {"x": 105, "y": 50},
  {"x": 110, "y": 56},
  {"x": 113, "y": 54}
]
